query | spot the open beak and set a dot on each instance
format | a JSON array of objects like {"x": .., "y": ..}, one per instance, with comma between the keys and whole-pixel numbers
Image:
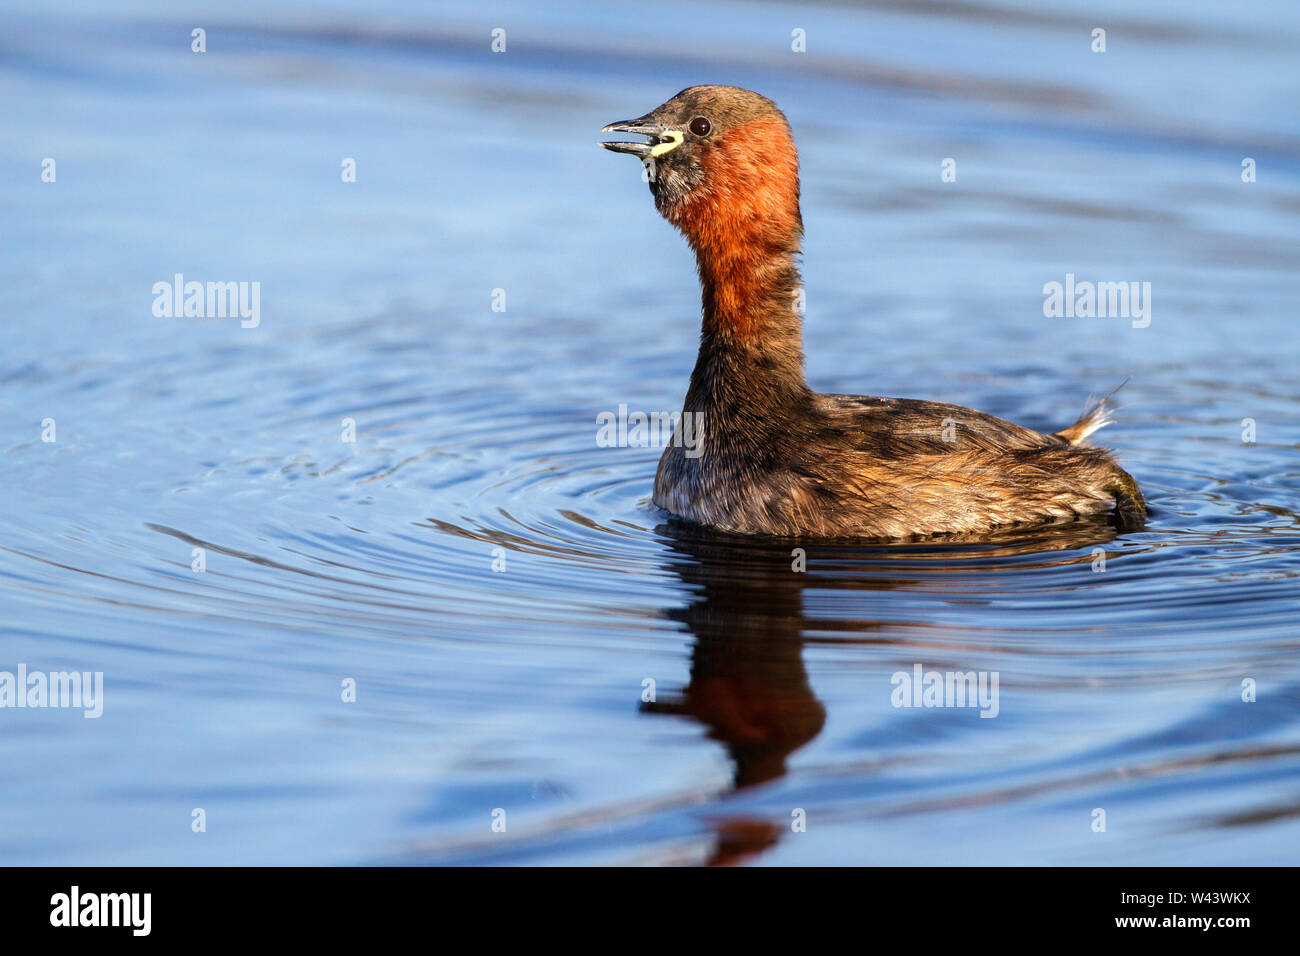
[{"x": 661, "y": 140}]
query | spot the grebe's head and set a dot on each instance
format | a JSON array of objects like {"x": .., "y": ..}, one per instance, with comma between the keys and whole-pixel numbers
[{"x": 718, "y": 156}]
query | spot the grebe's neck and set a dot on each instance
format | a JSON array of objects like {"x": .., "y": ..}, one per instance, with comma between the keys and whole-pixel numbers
[
  {"x": 743, "y": 221},
  {"x": 750, "y": 363},
  {"x": 752, "y": 298}
]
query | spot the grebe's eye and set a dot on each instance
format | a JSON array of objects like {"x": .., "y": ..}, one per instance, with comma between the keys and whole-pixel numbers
[{"x": 701, "y": 127}]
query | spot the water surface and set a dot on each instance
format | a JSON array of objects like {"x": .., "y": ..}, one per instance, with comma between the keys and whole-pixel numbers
[{"x": 521, "y": 688}]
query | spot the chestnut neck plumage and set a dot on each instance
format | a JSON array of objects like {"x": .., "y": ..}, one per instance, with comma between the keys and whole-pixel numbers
[{"x": 744, "y": 224}]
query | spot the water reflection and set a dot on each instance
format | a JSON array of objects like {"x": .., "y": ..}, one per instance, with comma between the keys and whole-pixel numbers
[{"x": 748, "y": 686}]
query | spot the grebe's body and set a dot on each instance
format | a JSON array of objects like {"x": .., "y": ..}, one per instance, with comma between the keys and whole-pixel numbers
[
  {"x": 778, "y": 458},
  {"x": 850, "y": 465}
]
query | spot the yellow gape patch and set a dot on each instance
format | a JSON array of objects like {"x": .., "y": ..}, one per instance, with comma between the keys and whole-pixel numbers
[{"x": 660, "y": 149}]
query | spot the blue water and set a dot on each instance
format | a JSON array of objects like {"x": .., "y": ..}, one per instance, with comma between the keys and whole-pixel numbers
[{"x": 520, "y": 689}]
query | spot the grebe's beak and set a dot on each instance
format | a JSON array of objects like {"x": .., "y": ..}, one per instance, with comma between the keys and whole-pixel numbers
[{"x": 662, "y": 140}]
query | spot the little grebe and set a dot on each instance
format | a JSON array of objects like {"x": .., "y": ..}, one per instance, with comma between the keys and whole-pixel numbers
[{"x": 778, "y": 458}]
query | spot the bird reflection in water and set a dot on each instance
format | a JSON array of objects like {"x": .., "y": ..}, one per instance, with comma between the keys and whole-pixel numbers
[{"x": 748, "y": 686}]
